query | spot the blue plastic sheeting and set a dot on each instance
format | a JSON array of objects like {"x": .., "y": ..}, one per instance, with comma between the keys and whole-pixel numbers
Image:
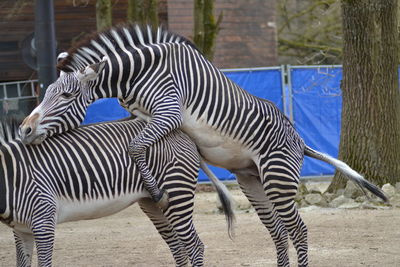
[
  {"x": 265, "y": 83},
  {"x": 106, "y": 109},
  {"x": 317, "y": 105},
  {"x": 262, "y": 83}
]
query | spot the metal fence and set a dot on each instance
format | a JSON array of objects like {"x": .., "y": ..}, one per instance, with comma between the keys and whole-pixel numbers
[
  {"x": 18, "y": 98},
  {"x": 315, "y": 104},
  {"x": 18, "y": 90},
  {"x": 309, "y": 95}
]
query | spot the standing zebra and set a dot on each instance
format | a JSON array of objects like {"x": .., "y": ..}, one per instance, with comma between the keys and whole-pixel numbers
[
  {"x": 161, "y": 75},
  {"x": 86, "y": 174}
]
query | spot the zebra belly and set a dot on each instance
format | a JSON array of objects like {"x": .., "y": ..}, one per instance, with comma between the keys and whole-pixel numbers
[
  {"x": 94, "y": 208},
  {"x": 214, "y": 147}
]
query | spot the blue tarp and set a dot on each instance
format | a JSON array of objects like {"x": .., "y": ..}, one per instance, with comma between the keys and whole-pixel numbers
[
  {"x": 105, "y": 109},
  {"x": 262, "y": 83},
  {"x": 317, "y": 105}
]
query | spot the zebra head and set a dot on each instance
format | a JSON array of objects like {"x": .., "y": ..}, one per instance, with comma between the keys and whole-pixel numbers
[{"x": 64, "y": 105}]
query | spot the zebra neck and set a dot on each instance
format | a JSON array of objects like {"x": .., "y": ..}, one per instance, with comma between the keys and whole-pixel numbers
[{"x": 122, "y": 71}]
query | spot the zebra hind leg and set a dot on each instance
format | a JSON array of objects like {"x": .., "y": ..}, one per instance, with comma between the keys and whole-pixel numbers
[
  {"x": 280, "y": 181},
  {"x": 24, "y": 243},
  {"x": 166, "y": 231},
  {"x": 180, "y": 215},
  {"x": 253, "y": 189}
]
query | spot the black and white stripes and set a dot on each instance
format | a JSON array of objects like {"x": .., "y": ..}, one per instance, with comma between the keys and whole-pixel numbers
[
  {"x": 164, "y": 77},
  {"x": 86, "y": 174}
]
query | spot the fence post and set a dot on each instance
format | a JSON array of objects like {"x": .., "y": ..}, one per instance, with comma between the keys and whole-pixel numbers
[
  {"x": 290, "y": 93},
  {"x": 284, "y": 91}
]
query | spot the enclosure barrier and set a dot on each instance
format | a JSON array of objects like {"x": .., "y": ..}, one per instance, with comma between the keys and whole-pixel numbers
[
  {"x": 17, "y": 99},
  {"x": 310, "y": 97},
  {"x": 18, "y": 90}
]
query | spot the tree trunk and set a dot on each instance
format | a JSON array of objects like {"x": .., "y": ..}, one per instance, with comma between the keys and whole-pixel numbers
[
  {"x": 198, "y": 15},
  {"x": 205, "y": 27},
  {"x": 103, "y": 14},
  {"x": 370, "y": 136},
  {"x": 152, "y": 13},
  {"x": 135, "y": 10},
  {"x": 143, "y": 12},
  {"x": 211, "y": 28}
]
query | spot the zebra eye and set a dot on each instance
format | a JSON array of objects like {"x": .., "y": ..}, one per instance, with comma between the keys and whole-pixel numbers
[{"x": 67, "y": 95}]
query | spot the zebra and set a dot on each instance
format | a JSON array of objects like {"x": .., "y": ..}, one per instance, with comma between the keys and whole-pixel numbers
[
  {"x": 87, "y": 174},
  {"x": 160, "y": 75}
]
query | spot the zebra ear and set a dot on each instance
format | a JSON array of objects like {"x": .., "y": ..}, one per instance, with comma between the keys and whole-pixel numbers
[
  {"x": 91, "y": 72},
  {"x": 60, "y": 57}
]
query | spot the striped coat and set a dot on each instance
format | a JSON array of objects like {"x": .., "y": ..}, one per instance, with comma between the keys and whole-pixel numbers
[{"x": 87, "y": 174}]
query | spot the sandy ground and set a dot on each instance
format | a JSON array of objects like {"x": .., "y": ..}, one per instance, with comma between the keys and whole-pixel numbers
[{"x": 336, "y": 238}]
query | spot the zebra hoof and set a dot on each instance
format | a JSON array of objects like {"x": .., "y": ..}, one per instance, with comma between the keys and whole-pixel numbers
[{"x": 162, "y": 200}]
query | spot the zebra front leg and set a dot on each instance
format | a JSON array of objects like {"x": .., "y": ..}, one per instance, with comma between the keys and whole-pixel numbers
[
  {"x": 163, "y": 122},
  {"x": 24, "y": 248},
  {"x": 253, "y": 189},
  {"x": 166, "y": 231},
  {"x": 43, "y": 228}
]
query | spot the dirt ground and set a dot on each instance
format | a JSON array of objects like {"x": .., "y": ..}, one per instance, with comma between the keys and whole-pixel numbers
[{"x": 336, "y": 238}]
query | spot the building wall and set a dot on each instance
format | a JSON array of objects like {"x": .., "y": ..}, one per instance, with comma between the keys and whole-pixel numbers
[
  {"x": 247, "y": 37},
  {"x": 73, "y": 20},
  {"x": 248, "y": 33}
]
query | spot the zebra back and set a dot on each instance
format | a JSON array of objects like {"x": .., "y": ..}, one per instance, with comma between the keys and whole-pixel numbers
[
  {"x": 95, "y": 46},
  {"x": 90, "y": 163}
]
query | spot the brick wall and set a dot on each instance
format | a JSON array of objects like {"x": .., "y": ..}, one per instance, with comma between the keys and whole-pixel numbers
[
  {"x": 248, "y": 34},
  {"x": 72, "y": 22},
  {"x": 247, "y": 37}
]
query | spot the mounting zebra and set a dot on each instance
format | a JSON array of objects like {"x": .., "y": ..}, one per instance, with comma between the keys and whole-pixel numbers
[
  {"x": 87, "y": 174},
  {"x": 161, "y": 75}
]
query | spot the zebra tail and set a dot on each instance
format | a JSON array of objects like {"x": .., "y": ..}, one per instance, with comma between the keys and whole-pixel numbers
[
  {"x": 225, "y": 198},
  {"x": 347, "y": 171}
]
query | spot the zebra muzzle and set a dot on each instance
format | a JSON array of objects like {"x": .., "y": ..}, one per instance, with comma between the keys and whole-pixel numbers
[{"x": 28, "y": 130}]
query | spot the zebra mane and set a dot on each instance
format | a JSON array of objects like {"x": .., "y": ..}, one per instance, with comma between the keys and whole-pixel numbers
[
  {"x": 99, "y": 44},
  {"x": 8, "y": 129}
]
